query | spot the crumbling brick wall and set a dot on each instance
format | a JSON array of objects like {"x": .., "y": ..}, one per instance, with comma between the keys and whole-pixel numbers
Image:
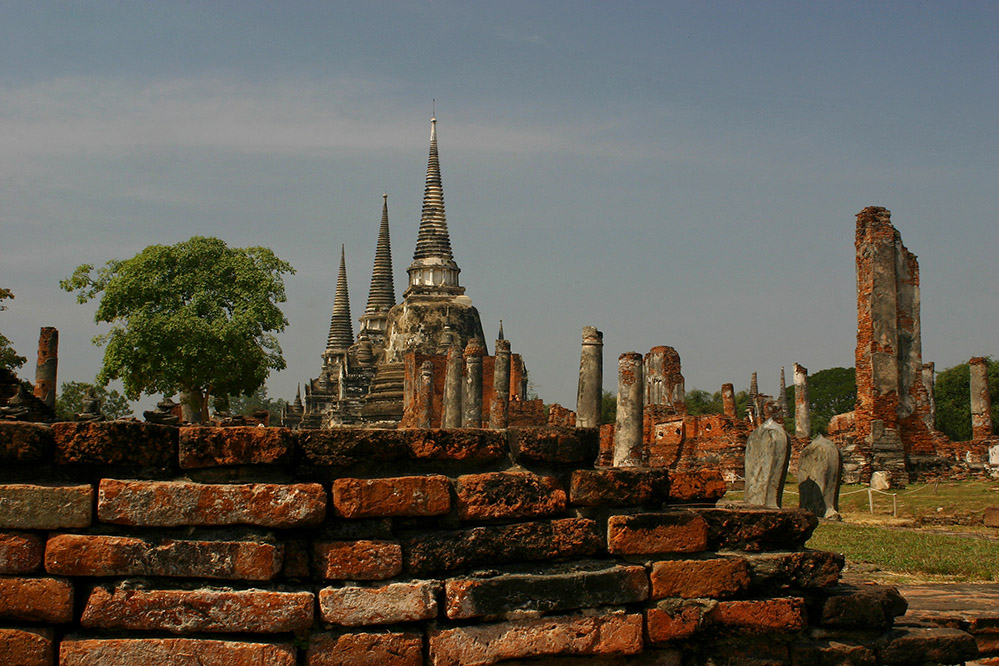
[{"x": 127, "y": 542}]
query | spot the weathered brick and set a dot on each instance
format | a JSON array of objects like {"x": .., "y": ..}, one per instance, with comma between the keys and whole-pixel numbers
[
  {"x": 432, "y": 552},
  {"x": 690, "y": 579},
  {"x": 397, "y": 602},
  {"x": 20, "y": 552},
  {"x": 366, "y": 649},
  {"x": 352, "y": 447},
  {"x": 465, "y": 445},
  {"x": 27, "y": 647},
  {"x": 649, "y": 533},
  {"x": 802, "y": 569},
  {"x": 832, "y": 653},
  {"x": 91, "y": 555},
  {"x": 242, "y": 445},
  {"x": 179, "y": 651},
  {"x": 48, "y": 600},
  {"x": 504, "y": 495},
  {"x": 25, "y": 442},
  {"x": 863, "y": 607},
  {"x": 477, "y": 597},
  {"x": 480, "y": 645},
  {"x": 125, "y": 444},
  {"x": 758, "y": 529},
  {"x": 398, "y": 496},
  {"x": 30, "y": 507},
  {"x": 358, "y": 560},
  {"x": 554, "y": 446},
  {"x": 926, "y": 646},
  {"x": 673, "y": 621},
  {"x": 619, "y": 486},
  {"x": 702, "y": 485},
  {"x": 755, "y": 616},
  {"x": 198, "y": 611},
  {"x": 171, "y": 503}
]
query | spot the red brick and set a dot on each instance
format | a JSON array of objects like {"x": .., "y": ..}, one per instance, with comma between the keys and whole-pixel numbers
[
  {"x": 831, "y": 653},
  {"x": 352, "y": 447},
  {"x": 802, "y": 569},
  {"x": 673, "y": 622},
  {"x": 198, "y": 611},
  {"x": 368, "y": 649},
  {"x": 398, "y": 496},
  {"x": 25, "y": 442},
  {"x": 358, "y": 560},
  {"x": 504, "y": 495},
  {"x": 27, "y": 647},
  {"x": 48, "y": 600},
  {"x": 758, "y": 529},
  {"x": 479, "y": 645},
  {"x": 20, "y": 552},
  {"x": 649, "y": 533},
  {"x": 937, "y": 645},
  {"x": 715, "y": 578},
  {"x": 172, "y": 503},
  {"x": 125, "y": 444},
  {"x": 242, "y": 445},
  {"x": 29, "y": 507},
  {"x": 179, "y": 651},
  {"x": 703, "y": 485},
  {"x": 398, "y": 602},
  {"x": 83, "y": 555},
  {"x": 618, "y": 486},
  {"x": 554, "y": 445},
  {"x": 434, "y": 552},
  {"x": 466, "y": 445},
  {"x": 783, "y": 615}
]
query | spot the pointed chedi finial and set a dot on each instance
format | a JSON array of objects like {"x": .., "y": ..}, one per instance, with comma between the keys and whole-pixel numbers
[
  {"x": 341, "y": 335},
  {"x": 381, "y": 296},
  {"x": 500, "y": 336}
]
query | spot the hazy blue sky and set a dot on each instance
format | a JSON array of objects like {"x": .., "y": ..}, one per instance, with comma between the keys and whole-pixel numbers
[{"x": 678, "y": 173}]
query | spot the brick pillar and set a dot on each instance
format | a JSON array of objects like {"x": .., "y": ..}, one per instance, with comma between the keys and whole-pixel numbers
[
  {"x": 451, "y": 412},
  {"x": 425, "y": 396},
  {"x": 981, "y": 401},
  {"x": 589, "y": 397},
  {"x": 471, "y": 400},
  {"x": 728, "y": 400},
  {"x": 929, "y": 383},
  {"x": 48, "y": 362},
  {"x": 802, "y": 417},
  {"x": 628, "y": 427},
  {"x": 499, "y": 410}
]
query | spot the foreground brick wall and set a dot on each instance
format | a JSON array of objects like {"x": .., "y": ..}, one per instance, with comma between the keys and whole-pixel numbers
[{"x": 130, "y": 543}]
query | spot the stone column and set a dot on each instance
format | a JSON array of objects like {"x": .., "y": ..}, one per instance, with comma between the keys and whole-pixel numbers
[
  {"x": 589, "y": 397},
  {"x": 782, "y": 398},
  {"x": 451, "y": 408},
  {"x": 981, "y": 401},
  {"x": 802, "y": 418},
  {"x": 499, "y": 409},
  {"x": 628, "y": 427},
  {"x": 929, "y": 383},
  {"x": 425, "y": 396},
  {"x": 471, "y": 400},
  {"x": 754, "y": 390},
  {"x": 48, "y": 361},
  {"x": 728, "y": 400}
]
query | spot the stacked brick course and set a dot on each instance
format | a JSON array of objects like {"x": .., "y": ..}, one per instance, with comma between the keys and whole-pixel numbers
[{"x": 128, "y": 543}]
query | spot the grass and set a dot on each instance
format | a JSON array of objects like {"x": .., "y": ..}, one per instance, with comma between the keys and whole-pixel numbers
[{"x": 911, "y": 545}]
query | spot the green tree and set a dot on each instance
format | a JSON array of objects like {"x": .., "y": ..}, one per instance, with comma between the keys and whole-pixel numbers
[
  {"x": 247, "y": 404},
  {"x": 69, "y": 402},
  {"x": 700, "y": 401},
  {"x": 608, "y": 408},
  {"x": 952, "y": 393},
  {"x": 831, "y": 391},
  {"x": 197, "y": 318},
  {"x": 9, "y": 359}
]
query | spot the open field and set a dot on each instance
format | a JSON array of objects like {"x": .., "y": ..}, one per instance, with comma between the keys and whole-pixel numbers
[{"x": 936, "y": 533}]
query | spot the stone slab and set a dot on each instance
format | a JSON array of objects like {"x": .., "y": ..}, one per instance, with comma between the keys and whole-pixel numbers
[{"x": 26, "y": 506}]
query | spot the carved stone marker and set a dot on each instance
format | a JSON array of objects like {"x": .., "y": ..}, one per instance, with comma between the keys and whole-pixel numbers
[
  {"x": 819, "y": 469},
  {"x": 880, "y": 480},
  {"x": 994, "y": 455},
  {"x": 768, "y": 451}
]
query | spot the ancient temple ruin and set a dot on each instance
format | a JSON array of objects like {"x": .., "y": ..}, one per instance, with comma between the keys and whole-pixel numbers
[{"x": 375, "y": 378}]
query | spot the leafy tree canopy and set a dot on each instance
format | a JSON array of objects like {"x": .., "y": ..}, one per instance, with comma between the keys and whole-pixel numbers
[
  {"x": 831, "y": 391},
  {"x": 9, "y": 359},
  {"x": 700, "y": 401},
  {"x": 197, "y": 318},
  {"x": 608, "y": 407},
  {"x": 952, "y": 393},
  {"x": 69, "y": 402}
]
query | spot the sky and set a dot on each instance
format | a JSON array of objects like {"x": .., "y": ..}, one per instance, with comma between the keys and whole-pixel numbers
[{"x": 674, "y": 173}]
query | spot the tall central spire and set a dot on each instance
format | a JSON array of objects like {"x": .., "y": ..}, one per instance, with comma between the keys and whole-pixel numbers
[
  {"x": 341, "y": 335},
  {"x": 433, "y": 271}
]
